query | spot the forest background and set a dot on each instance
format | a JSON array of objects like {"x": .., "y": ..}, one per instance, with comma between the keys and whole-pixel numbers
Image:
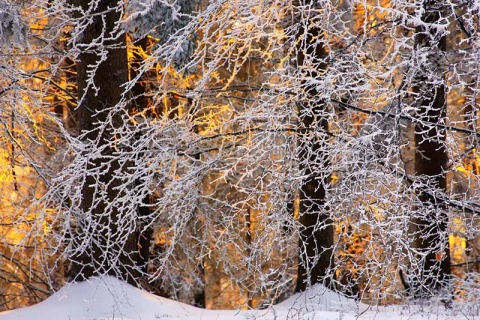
[{"x": 229, "y": 153}]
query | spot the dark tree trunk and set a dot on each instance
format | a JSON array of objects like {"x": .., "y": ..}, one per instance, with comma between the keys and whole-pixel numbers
[
  {"x": 199, "y": 295},
  {"x": 431, "y": 162},
  {"x": 144, "y": 236},
  {"x": 140, "y": 102},
  {"x": 316, "y": 236},
  {"x": 93, "y": 112}
]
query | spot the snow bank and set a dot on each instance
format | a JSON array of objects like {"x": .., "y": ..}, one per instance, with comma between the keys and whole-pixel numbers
[{"x": 106, "y": 298}]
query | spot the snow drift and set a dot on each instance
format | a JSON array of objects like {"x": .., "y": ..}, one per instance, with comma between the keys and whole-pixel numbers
[{"x": 107, "y": 298}]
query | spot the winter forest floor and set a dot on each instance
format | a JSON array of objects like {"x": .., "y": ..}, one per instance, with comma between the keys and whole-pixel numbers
[{"x": 107, "y": 298}]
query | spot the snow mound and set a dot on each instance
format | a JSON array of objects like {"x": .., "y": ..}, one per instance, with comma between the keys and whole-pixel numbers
[
  {"x": 103, "y": 298},
  {"x": 107, "y": 298},
  {"x": 319, "y": 298},
  {"x": 318, "y": 302}
]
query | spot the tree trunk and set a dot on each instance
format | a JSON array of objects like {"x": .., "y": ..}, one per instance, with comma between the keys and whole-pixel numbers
[
  {"x": 316, "y": 235},
  {"x": 140, "y": 102},
  {"x": 430, "y": 164},
  {"x": 97, "y": 129}
]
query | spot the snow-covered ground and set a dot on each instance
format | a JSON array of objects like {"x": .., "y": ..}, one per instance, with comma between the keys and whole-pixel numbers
[{"x": 106, "y": 298}]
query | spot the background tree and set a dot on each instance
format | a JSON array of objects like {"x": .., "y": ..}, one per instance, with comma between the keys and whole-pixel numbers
[
  {"x": 316, "y": 234},
  {"x": 431, "y": 152},
  {"x": 102, "y": 69}
]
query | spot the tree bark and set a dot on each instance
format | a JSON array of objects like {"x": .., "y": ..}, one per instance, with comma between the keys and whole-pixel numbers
[
  {"x": 96, "y": 128},
  {"x": 316, "y": 235},
  {"x": 431, "y": 163},
  {"x": 141, "y": 103}
]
